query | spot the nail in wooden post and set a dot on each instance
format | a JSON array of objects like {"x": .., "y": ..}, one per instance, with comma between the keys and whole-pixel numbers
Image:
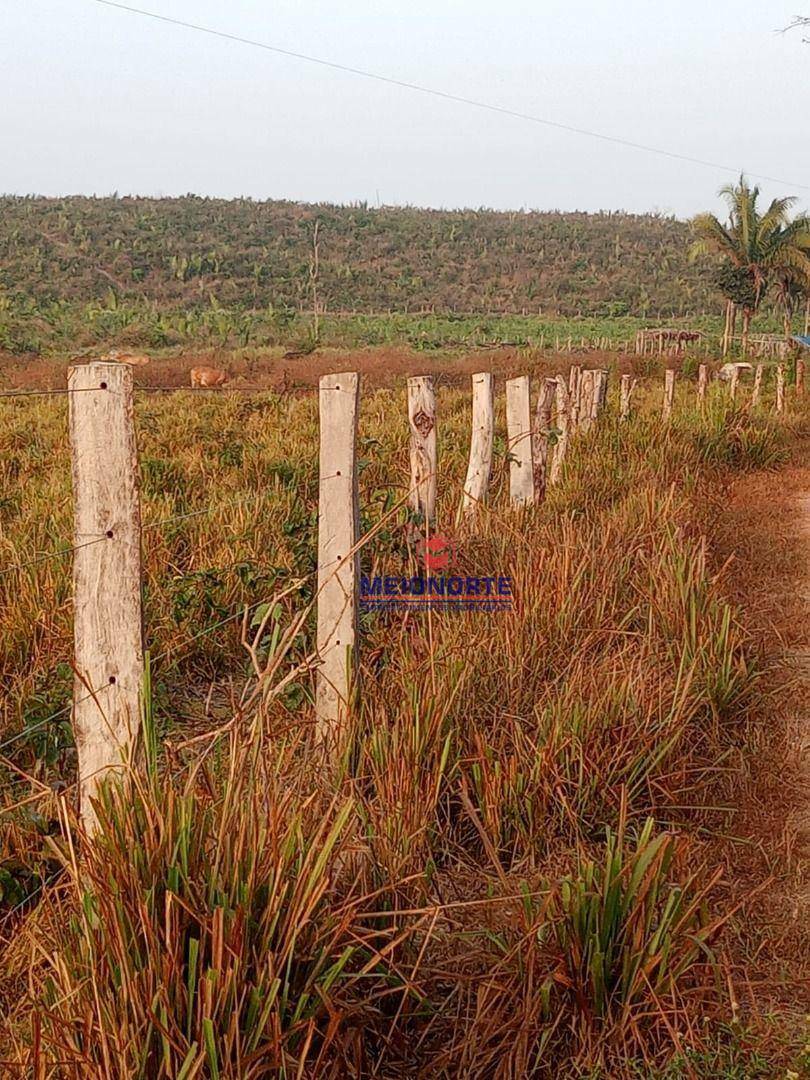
[
  {"x": 337, "y": 564},
  {"x": 107, "y": 617},
  {"x": 519, "y": 441},
  {"x": 422, "y": 422},
  {"x": 483, "y": 429},
  {"x": 703, "y": 381},
  {"x": 542, "y": 432},
  {"x": 780, "y": 388},
  {"x": 628, "y": 385},
  {"x": 799, "y": 378},
  {"x": 669, "y": 394},
  {"x": 563, "y": 425},
  {"x": 757, "y": 391}
]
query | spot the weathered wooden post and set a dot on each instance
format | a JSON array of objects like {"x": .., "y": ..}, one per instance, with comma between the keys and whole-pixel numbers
[
  {"x": 563, "y": 423},
  {"x": 799, "y": 377},
  {"x": 519, "y": 441},
  {"x": 574, "y": 380},
  {"x": 780, "y": 388},
  {"x": 628, "y": 385},
  {"x": 757, "y": 391},
  {"x": 107, "y": 618},
  {"x": 422, "y": 423},
  {"x": 540, "y": 440},
  {"x": 703, "y": 382},
  {"x": 734, "y": 382},
  {"x": 586, "y": 399},
  {"x": 483, "y": 430},
  {"x": 338, "y": 534},
  {"x": 669, "y": 395}
]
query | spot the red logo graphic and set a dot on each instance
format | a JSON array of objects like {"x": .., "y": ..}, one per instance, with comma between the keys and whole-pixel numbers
[{"x": 437, "y": 551}]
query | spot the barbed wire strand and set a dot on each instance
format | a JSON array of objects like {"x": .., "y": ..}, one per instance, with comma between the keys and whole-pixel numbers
[{"x": 52, "y": 555}]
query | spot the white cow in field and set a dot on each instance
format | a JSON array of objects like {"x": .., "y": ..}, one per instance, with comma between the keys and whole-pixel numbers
[{"x": 727, "y": 370}]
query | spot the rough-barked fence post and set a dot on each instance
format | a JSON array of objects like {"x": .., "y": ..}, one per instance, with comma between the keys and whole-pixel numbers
[
  {"x": 586, "y": 399},
  {"x": 734, "y": 383},
  {"x": 338, "y": 534},
  {"x": 780, "y": 388},
  {"x": 574, "y": 380},
  {"x": 703, "y": 381},
  {"x": 481, "y": 438},
  {"x": 799, "y": 377},
  {"x": 542, "y": 436},
  {"x": 756, "y": 392},
  {"x": 563, "y": 424},
  {"x": 669, "y": 395},
  {"x": 422, "y": 423},
  {"x": 627, "y": 386},
  {"x": 519, "y": 441},
  {"x": 107, "y": 614}
]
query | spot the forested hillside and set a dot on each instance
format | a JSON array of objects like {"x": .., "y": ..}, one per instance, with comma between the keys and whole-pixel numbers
[{"x": 185, "y": 252}]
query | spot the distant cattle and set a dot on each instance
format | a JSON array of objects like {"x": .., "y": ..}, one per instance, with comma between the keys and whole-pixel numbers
[
  {"x": 116, "y": 356},
  {"x": 208, "y": 377}
]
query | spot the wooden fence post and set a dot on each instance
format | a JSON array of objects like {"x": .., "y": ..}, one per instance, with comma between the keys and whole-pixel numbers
[
  {"x": 703, "y": 380},
  {"x": 107, "y": 616},
  {"x": 799, "y": 377},
  {"x": 755, "y": 393},
  {"x": 540, "y": 440},
  {"x": 563, "y": 424},
  {"x": 519, "y": 441},
  {"x": 338, "y": 531},
  {"x": 574, "y": 379},
  {"x": 734, "y": 382},
  {"x": 422, "y": 422},
  {"x": 628, "y": 385},
  {"x": 586, "y": 398},
  {"x": 669, "y": 394},
  {"x": 483, "y": 430},
  {"x": 780, "y": 388}
]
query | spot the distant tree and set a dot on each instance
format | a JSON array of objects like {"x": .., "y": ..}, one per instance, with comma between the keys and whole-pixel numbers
[{"x": 756, "y": 249}]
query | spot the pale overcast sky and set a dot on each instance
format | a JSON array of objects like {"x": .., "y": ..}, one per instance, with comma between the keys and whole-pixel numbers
[{"x": 97, "y": 100}]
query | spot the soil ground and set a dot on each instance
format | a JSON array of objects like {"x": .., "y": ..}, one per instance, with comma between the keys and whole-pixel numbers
[{"x": 763, "y": 527}]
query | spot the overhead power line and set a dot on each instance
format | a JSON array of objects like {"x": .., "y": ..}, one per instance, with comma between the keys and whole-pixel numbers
[{"x": 444, "y": 94}]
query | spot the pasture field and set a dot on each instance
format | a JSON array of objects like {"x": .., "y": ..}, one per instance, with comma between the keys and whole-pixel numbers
[{"x": 518, "y": 867}]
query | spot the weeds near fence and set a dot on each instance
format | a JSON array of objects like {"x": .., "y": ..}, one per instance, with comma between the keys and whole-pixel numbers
[{"x": 506, "y": 875}]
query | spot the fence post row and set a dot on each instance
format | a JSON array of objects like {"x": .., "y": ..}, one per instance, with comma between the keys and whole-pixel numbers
[
  {"x": 107, "y": 615},
  {"x": 338, "y": 533},
  {"x": 519, "y": 442},
  {"x": 482, "y": 434},
  {"x": 422, "y": 423}
]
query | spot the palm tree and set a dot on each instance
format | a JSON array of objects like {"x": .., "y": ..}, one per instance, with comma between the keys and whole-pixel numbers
[{"x": 757, "y": 249}]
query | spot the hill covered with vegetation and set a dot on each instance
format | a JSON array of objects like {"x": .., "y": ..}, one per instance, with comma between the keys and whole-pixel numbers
[{"x": 182, "y": 252}]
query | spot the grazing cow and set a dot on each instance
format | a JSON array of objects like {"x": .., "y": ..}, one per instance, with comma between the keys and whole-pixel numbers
[
  {"x": 727, "y": 370},
  {"x": 118, "y": 357},
  {"x": 208, "y": 377}
]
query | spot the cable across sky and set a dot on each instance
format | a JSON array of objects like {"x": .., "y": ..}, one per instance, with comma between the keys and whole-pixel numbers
[{"x": 459, "y": 99}]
